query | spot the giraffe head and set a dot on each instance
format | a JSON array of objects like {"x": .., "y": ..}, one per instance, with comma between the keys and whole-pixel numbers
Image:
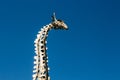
[{"x": 58, "y": 24}]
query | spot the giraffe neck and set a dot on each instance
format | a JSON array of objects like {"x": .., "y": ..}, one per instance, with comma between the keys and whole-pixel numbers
[{"x": 41, "y": 67}]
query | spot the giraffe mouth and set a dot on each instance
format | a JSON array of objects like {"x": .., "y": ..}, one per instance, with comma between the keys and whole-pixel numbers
[{"x": 66, "y": 28}]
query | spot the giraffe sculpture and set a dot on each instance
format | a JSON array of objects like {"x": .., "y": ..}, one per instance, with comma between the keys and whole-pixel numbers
[{"x": 41, "y": 69}]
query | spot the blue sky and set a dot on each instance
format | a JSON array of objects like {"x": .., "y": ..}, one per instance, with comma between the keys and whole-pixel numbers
[{"x": 89, "y": 50}]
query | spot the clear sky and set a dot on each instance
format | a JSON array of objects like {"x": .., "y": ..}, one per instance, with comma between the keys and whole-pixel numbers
[{"x": 89, "y": 50}]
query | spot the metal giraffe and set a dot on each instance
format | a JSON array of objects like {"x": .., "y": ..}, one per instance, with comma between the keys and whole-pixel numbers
[{"x": 41, "y": 69}]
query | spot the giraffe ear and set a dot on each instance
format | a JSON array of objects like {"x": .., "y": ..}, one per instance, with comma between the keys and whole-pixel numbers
[{"x": 53, "y": 17}]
